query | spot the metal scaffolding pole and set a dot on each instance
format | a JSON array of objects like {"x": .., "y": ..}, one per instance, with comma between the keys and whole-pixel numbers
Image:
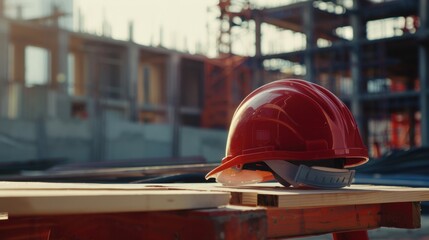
[
  {"x": 423, "y": 73},
  {"x": 308, "y": 20},
  {"x": 356, "y": 68},
  {"x": 257, "y": 64}
]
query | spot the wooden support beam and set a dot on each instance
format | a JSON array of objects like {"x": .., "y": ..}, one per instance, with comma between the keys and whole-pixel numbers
[
  {"x": 219, "y": 223},
  {"x": 401, "y": 215},
  {"x": 355, "y": 235},
  {"x": 224, "y": 223},
  {"x": 311, "y": 221}
]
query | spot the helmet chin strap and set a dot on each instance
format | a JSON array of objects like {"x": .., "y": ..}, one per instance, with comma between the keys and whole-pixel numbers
[{"x": 316, "y": 177}]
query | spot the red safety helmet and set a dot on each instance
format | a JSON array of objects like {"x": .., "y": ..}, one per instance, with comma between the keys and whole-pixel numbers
[{"x": 295, "y": 131}]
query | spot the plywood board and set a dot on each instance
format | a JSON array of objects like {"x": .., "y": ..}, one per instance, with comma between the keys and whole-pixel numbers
[{"x": 59, "y": 198}]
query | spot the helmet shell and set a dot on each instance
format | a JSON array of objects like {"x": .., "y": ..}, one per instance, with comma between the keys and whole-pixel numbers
[{"x": 292, "y": 120}]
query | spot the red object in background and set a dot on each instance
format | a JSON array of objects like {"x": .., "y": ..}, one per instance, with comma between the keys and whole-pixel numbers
[
  {"x": 417, "y": 84},
  {"x": 417, "y": 129},
  {"x": 227, "y": 83},
  {"x": 398, "y": 84},
  {"x": 292, "y": 120},
  {"x": 400, "y": 130}
]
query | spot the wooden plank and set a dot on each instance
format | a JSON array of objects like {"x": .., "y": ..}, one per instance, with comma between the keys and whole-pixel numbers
[
  {"x": 222, "y": 223},
  {"x": 275, "y": 195},
  {"x": 37, "y": 202},
  {"x": 270, "y": 194},
  {"x": 349, "y": 196}
]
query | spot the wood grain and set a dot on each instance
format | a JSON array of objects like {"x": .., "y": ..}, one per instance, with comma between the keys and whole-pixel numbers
[
  {"x": 31, "y": 198},
  {"x": 58, "y": 198}
]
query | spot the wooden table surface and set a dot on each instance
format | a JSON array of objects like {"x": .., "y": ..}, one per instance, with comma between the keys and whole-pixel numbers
[{"x": 203, "y": 211}]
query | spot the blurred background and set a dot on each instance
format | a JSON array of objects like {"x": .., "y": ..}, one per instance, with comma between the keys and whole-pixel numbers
[{"x": 96, "y": 84}]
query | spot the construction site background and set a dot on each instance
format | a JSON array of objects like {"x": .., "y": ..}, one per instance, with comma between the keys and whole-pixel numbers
[{"x": 67, "y": 93}]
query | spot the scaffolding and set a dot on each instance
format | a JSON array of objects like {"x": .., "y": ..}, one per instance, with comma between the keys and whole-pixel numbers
[{"x": 372, "y": 54}]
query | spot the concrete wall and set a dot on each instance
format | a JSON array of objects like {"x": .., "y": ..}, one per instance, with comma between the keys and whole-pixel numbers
[
  {"x": 17, "y": 140},
  {"x": 127, "y": 140},
  {"x": 203, "y": 142},
  {"x": 71, "y": 139}
]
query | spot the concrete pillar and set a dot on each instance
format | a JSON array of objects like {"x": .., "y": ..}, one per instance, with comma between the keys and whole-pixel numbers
[
  {"x": 308, "y": 20},
  {"x": 4, "y": 50},
  {"x": 95, "y": 107},
  {"x": 356, "y": 69},
  {"x": 2, "y": 8},
  {"x": 132, "y": 68},
  {"x": 80, "y": 88},
  {"x": 59, "y": 62},
  {"x": 423, "y": 73},
  {"x": 4, "y": 66},
  {"x": 19, "y": 63},
  {"x": 173, "y": 98}
]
